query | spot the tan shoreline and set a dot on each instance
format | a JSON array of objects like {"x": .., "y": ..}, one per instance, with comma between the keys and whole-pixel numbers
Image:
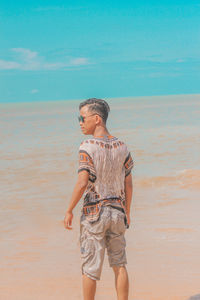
[{"x": 39, "y": 152}]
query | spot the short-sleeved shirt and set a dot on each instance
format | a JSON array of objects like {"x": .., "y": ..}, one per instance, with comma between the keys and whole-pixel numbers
[{"x": 108, "y": 161}]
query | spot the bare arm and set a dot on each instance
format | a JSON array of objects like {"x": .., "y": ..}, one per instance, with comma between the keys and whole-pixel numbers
[
  {"x": 78, "y": 191},
  {"x": 128, "y": 188}
]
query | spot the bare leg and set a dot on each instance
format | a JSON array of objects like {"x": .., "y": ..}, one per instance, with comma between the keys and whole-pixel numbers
[
  {"x": 89, "y": 287},
  {"x": 121, "y": 282}
]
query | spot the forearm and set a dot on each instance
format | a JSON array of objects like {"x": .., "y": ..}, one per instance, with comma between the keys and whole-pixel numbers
[
  {"x": 76, "y": 196},
  {"x": 128, "y": 193}
]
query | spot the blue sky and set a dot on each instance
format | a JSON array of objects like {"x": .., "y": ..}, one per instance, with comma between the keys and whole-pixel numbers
[{"x": 56, "y": 50}]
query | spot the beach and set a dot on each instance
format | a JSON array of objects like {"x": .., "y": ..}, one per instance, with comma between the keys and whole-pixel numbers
[{"x": 39, "y": 145}]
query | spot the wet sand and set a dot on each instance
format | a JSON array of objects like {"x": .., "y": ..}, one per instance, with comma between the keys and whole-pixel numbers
[{"x": 39, "y": 151}]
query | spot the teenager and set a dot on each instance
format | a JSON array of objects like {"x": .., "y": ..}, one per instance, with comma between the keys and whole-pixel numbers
[{"x": 105, "y": 182}]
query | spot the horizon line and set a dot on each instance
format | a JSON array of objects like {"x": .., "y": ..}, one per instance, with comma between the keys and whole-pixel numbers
[{"x": 104, "y": 98}]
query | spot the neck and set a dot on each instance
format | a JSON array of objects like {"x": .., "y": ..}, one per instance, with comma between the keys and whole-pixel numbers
[{"x": 100, "y": 131}]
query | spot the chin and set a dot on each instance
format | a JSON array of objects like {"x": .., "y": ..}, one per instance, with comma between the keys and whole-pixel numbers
[{"x": 83, "y": 132}]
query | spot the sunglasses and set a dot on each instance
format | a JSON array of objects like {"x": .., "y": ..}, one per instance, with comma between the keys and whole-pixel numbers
[{"x": 82, "y": 119}]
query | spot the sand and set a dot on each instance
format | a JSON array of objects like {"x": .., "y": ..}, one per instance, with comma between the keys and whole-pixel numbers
[{"x": 39, "y": 159}]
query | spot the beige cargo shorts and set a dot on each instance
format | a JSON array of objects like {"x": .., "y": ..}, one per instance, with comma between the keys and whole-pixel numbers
[{"x": 105, "y": 233}]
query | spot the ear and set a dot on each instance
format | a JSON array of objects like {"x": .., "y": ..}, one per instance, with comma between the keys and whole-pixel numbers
[{"x": 98, "y": 119}]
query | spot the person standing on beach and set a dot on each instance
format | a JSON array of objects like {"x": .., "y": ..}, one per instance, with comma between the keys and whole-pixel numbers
[{"x": 105, "y": 182}]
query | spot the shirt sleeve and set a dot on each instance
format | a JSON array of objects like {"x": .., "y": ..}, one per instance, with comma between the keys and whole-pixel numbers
[
  {"x": 86, "y": 163},
  {"x": 128, "y": 164}
]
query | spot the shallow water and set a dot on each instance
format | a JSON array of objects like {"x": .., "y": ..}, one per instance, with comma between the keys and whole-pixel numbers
[{"x": 39, "y": 151}]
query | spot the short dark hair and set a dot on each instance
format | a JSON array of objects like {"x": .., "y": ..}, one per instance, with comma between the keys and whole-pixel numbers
[{"x": 99, "y": 106}]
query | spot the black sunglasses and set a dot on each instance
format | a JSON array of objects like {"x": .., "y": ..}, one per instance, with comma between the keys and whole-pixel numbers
[{"x": 82, "y": 119}]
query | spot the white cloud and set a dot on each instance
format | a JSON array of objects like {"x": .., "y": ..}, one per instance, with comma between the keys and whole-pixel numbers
[
  {"x": 26, "y": 53},
  {"x": 8, "y": 65},
  {"x": 79, "y": 61},
  {"x": 34, "y": 91},
  {"x": 28, "y": 60}
]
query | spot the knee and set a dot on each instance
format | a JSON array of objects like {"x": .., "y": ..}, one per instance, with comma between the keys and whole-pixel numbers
[{"x": 119, "y": 269}]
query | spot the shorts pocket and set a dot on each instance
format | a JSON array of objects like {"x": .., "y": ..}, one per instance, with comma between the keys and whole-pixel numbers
[
  {"x": 120, "y": 223},
  {"x": 123, "y": 216},
  {"x": 92, "y": 212},
  {"x": 86, "y": 244}
]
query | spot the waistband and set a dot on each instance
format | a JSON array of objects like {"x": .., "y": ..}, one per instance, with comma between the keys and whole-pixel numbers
[
  {"x": 104, "y": 201},
  {"x": 92, "y": 210},
  {"x": 107, "y": 202}
]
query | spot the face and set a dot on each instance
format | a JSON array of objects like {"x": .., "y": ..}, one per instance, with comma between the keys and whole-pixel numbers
[{"x": 90, "y": 120}]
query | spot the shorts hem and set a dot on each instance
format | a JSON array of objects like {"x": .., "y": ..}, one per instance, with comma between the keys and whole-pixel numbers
[
  {"x": 90, "y": 276},
  {"x": 118, "y": 265}
]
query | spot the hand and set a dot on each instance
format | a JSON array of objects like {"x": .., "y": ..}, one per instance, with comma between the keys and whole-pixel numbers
[{"x": 68, "y": 220}]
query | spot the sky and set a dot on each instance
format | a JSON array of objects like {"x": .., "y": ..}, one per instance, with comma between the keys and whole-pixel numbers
[{"x": 59, "y": 50}]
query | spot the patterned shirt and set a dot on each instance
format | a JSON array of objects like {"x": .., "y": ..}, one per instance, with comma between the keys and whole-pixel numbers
[{"x": 108, "y": 161}]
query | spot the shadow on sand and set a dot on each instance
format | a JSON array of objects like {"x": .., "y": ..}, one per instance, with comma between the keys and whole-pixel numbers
[{"x": 195, "y": 297}]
